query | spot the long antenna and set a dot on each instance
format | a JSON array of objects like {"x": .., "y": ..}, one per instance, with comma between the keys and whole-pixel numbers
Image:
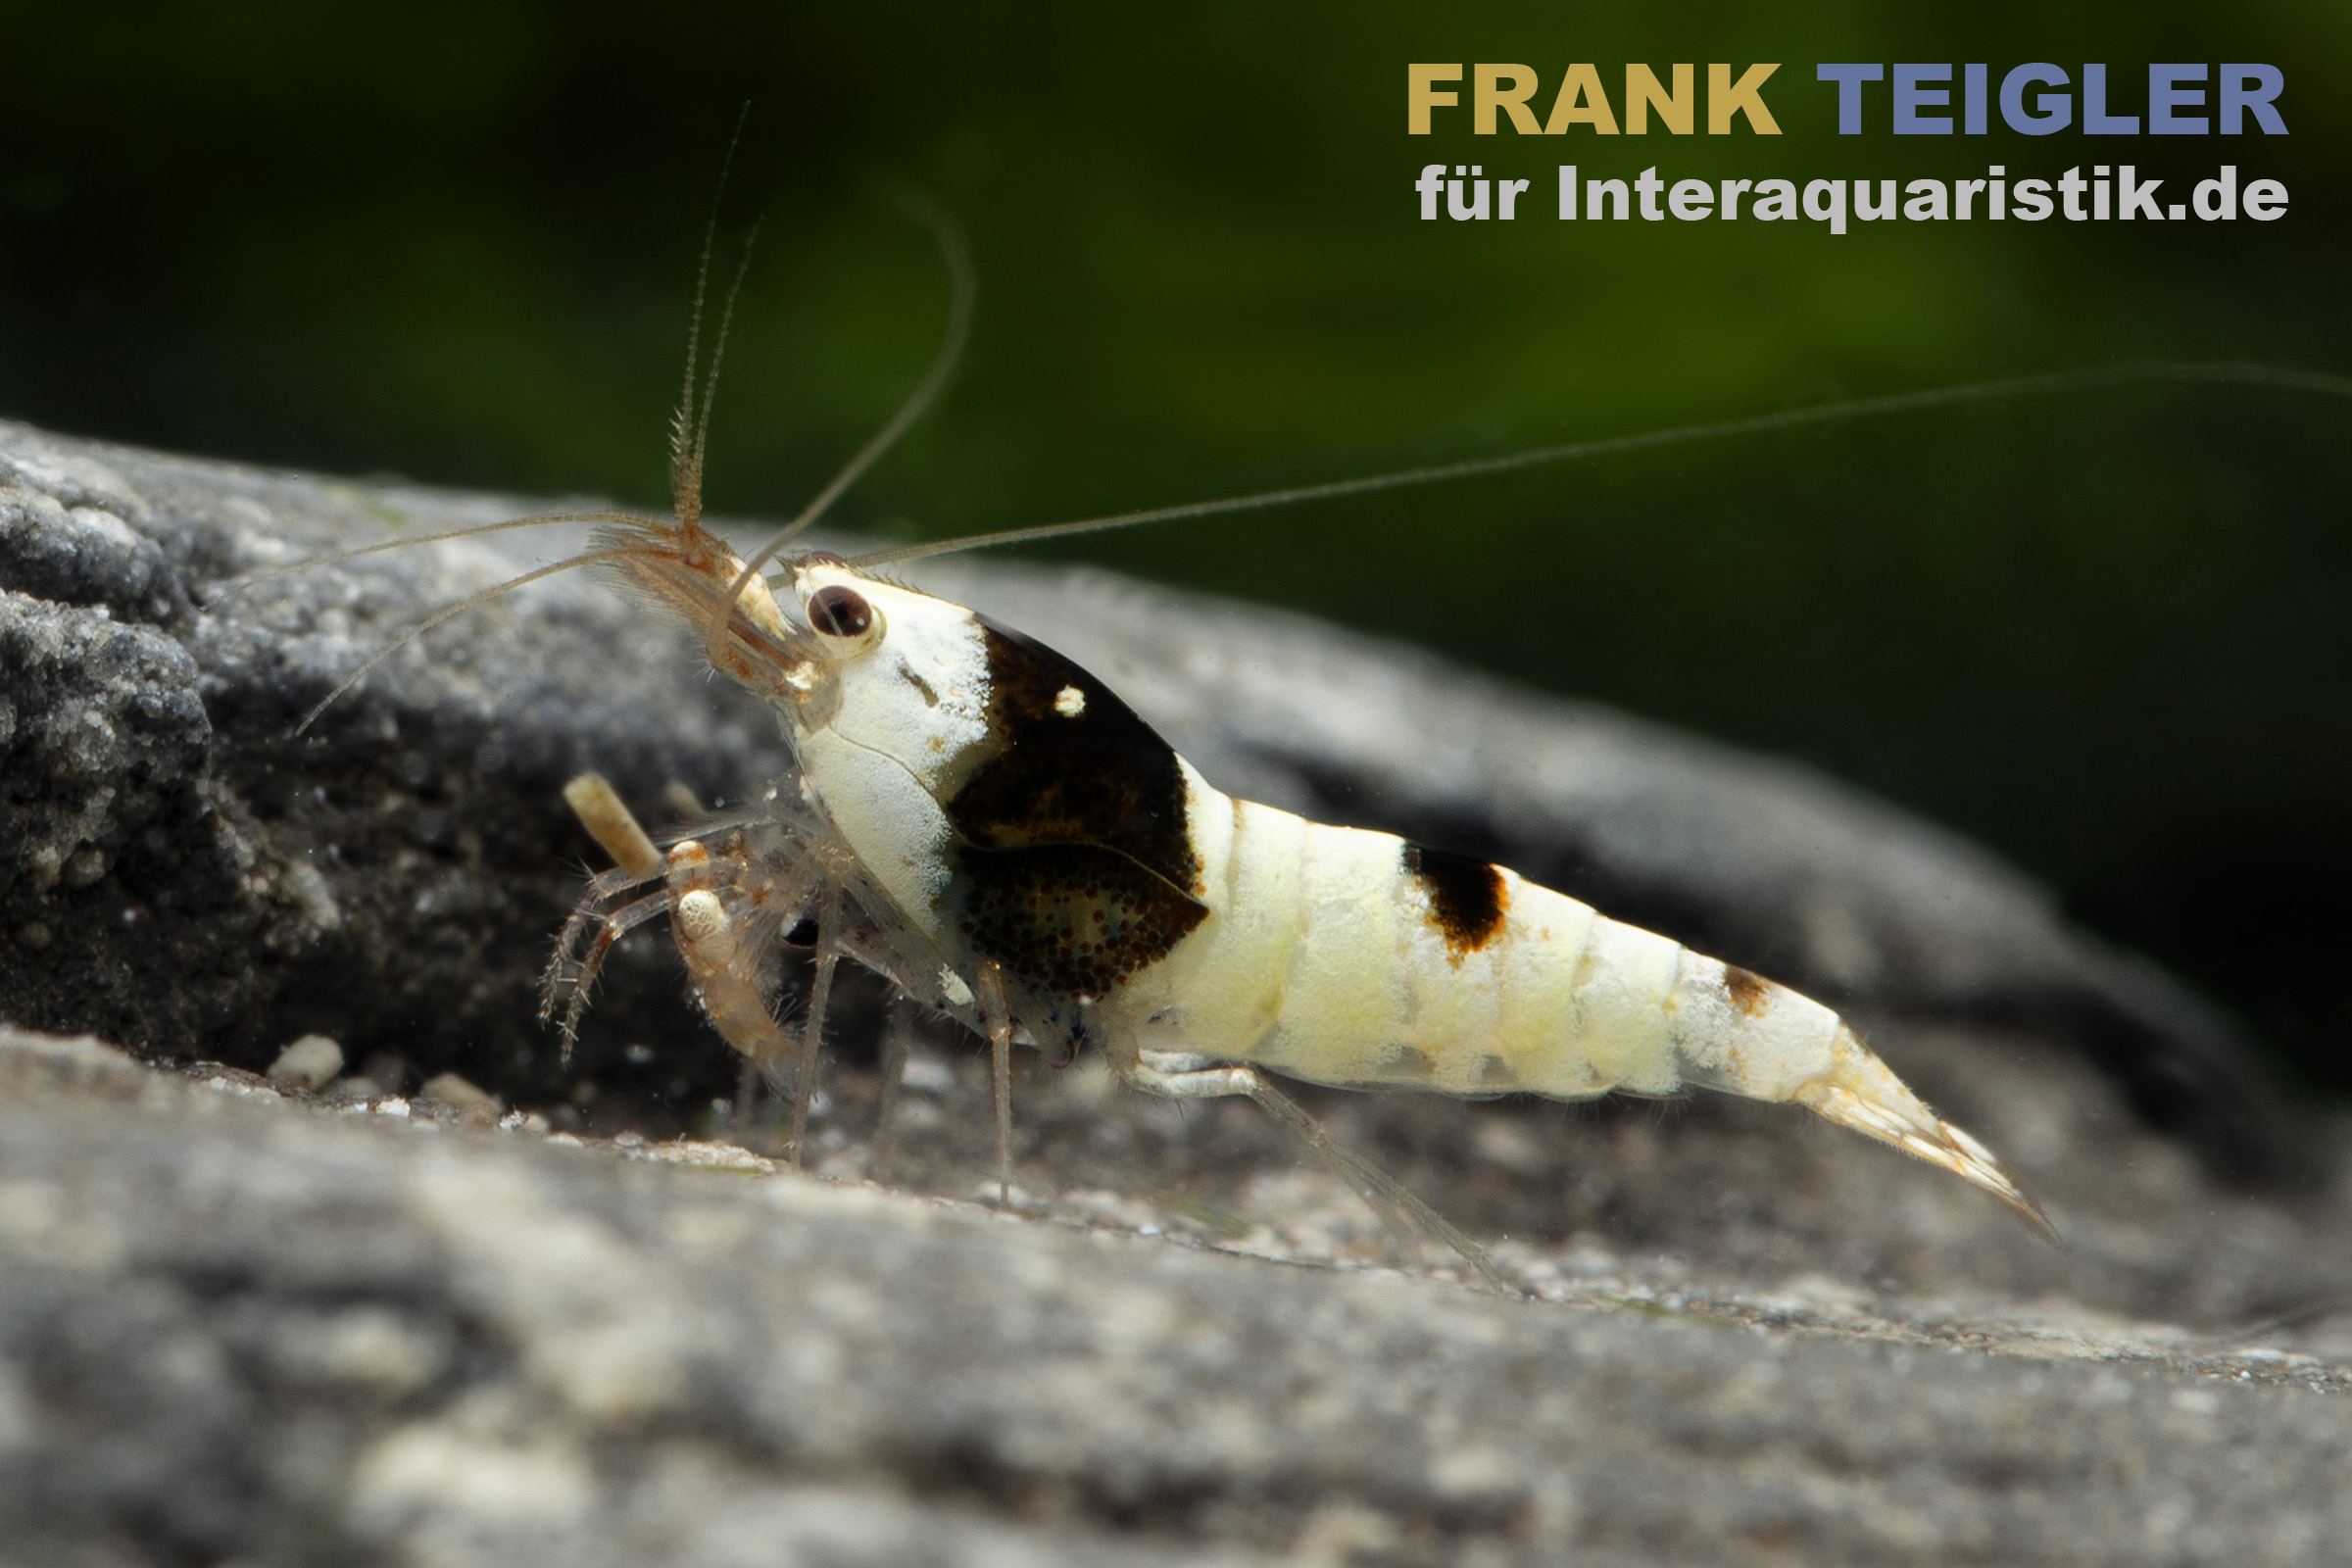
[
  {"x": 962, "y": 288},
  {"x": 537, "y": 519},
  {"x": 2283, "y": 377}
]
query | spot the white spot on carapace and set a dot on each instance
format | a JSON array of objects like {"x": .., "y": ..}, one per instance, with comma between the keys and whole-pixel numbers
[{"x": 1069, "y": 702}]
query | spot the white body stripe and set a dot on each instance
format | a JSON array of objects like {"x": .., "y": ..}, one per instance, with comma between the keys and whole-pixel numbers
[
  {"x": 1622, "y": 985},
  {"x": 1546, "y": 934}
]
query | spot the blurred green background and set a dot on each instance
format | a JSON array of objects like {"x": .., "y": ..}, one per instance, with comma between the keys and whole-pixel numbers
[{"x": 2105, "y": 634}]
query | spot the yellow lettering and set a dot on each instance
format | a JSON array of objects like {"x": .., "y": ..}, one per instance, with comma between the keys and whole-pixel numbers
[
  {"x": 1643, "y": 90},
  {"x": 1725, "y": 98},
  {"x": 1489, "y": 94},
  {"x": 1583, "y": 101},
  {"x": 1421, "y": 95}
]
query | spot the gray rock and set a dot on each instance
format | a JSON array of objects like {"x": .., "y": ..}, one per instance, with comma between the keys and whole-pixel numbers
[
  {"x": 235, "y": 1326},
  {"x": 182, "y": 873},
  {"x": 243, "y": 1321}
]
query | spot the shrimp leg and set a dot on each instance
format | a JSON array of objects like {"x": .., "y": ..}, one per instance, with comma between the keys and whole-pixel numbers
[
  {"x": 999, "y": 1020},
  {"x": 803, "y": 1077}
]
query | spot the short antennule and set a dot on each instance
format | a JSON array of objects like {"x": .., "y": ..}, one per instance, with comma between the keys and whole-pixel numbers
[
  {"x": 685, "y": 468},
  {"x": 691, "y": 424},
  {"x": 690, "y": 502}
]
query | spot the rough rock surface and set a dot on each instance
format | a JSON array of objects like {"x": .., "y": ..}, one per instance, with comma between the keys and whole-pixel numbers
[
  {"x": 239, "y": 1323},
  {"x": 235, "y": 1326}
]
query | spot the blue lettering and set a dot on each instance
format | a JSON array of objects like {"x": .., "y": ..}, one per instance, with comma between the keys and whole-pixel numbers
[
  {"x": 2252, "y": 88},
  {"x": 2057, "y": 109},
  {"x": 2096, "y": 120},
  {"x": 1910, "y": 98},
  {"x": 2164, "y": 96},
  {"x": 1850, "y": 80}
]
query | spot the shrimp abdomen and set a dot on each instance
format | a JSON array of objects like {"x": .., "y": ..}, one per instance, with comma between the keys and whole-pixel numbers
[{"x": 1351, "y": 957}]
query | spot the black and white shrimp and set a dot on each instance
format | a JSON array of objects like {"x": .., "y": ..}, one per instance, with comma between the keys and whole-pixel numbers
[
  {"x": 989, "y": 827},
  {"x": 992, "y": 829}
]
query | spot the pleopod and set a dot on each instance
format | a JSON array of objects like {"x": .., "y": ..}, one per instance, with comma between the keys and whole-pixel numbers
[{"x": 990, "y": 828}]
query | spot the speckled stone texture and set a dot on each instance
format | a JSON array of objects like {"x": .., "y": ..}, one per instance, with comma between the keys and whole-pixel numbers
[
  {"x": 243, "y": 1324},
  {"x": 237, "y": 1330}
]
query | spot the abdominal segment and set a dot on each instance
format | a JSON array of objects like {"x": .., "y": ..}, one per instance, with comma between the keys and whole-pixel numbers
[{"x": 1344, "y": 957}]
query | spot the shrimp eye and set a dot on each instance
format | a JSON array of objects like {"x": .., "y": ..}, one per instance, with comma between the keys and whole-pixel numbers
[{"x": 840, "y": 612}]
